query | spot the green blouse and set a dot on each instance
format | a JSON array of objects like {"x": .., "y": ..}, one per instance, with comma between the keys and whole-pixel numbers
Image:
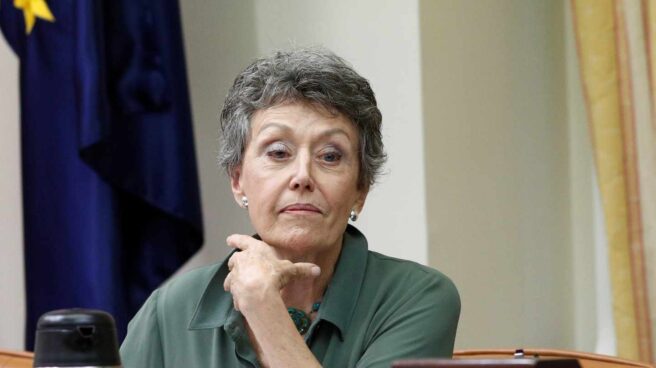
[{"x": 376, "y": 310}]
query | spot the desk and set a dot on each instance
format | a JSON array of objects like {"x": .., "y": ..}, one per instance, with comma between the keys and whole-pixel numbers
[{"x": 16, "y": 359}]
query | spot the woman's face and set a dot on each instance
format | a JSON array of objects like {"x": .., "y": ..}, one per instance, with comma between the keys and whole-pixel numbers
[{"x": 300, "y": 175}]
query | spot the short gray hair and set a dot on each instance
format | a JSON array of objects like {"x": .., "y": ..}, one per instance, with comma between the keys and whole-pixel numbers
[{"x": 313, "y": 75}]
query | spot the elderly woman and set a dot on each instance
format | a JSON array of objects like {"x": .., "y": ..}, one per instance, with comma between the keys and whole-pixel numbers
[{"x": 302, "y": 147}]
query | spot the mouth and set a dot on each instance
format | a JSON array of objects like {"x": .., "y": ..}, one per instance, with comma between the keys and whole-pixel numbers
[{"x": 301, "y": 208}]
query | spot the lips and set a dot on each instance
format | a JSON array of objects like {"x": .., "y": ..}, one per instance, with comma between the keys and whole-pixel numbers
[{"x": 300, "y": 208}]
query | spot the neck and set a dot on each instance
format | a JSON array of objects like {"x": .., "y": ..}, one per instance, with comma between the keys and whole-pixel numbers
[{"x": 303, "y": 293}]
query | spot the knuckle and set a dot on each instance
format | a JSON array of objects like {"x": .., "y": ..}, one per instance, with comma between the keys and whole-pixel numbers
[{"x": 282, "y": 281}]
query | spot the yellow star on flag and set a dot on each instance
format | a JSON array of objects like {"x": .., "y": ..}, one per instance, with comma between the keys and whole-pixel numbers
[{"x": 33, "y": 9}]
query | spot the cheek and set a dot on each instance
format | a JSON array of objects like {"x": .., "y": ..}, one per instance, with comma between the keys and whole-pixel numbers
[
  {"x": 342, "y": 194},
  {"x": 263, "y": 191},
  {"x": 254, "y": 180}
]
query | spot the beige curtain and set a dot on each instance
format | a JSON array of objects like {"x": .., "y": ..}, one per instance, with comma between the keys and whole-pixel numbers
[{"x": 617, "y": 56}]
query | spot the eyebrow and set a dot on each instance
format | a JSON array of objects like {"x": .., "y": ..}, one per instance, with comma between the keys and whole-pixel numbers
[
  {"x": 274, "y": 125},
  {"x": 327, "y": 133},
  {"x": 335, "y": 131}
]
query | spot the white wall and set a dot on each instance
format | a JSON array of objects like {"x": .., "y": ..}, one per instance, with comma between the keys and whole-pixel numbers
[
  {"x": 12, "y": 304},
  {"x": 219, "y": 42},
  {"x": 497, "y": 167}
]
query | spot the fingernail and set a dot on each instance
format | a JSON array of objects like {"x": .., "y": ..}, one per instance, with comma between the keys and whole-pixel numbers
[{"x": 316, "y": 271}]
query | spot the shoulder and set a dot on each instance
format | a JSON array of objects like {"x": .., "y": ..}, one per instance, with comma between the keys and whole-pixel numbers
[
  {"x": 412, "y": 311},
  {"x": 190, "y": 283},
  {"x": 407, "y": 277},
  {"x": 175, "y": 302},
  {"x": 401, "y": 272},
  {"x": 164, "y": 318},
  {"x": 170, "y": 307},
  {"x": 184, "y": 291}
]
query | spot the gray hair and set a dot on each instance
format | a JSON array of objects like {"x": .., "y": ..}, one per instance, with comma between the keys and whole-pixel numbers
[{"x": 313, "y": 75}]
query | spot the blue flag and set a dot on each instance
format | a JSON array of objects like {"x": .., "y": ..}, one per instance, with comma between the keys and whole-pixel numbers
[{"x": 110, "y": 187}]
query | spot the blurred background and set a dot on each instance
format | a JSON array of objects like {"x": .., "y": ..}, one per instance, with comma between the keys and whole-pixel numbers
[{"x": 490, "y": 178}]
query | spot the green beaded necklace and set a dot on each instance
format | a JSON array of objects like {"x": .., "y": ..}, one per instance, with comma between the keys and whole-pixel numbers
[{"x": 301, "y": 319}]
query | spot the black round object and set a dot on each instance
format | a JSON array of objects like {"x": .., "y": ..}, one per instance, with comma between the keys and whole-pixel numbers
[{"x": 76, "y": 338}]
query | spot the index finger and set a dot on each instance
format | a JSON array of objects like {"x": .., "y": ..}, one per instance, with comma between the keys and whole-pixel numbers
[{"x": 239, "y": 241}]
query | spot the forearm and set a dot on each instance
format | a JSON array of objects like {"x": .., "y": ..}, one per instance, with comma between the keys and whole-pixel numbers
[{"x": 279, "y": 342}]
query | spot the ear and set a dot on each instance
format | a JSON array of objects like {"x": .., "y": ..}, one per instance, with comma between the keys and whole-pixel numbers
[
  {"x": 360, "y": 199},
  {"x": 235, "y": 184}
]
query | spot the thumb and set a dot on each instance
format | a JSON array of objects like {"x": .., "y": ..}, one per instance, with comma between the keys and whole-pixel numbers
[
  {"x": 298, "y": 271},
  {"x": 305, "y": 269}
]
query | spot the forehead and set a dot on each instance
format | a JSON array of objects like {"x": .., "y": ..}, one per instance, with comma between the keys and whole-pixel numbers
[{"x": 301, "y": 118}]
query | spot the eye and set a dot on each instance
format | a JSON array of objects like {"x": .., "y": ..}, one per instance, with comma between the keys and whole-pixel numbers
[
  {"x": 278, "y": 151},
  {"x": 331, "y": 156}
]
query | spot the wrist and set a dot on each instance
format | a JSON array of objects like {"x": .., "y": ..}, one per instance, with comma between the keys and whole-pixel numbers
[{"x": 259, "y": 300}]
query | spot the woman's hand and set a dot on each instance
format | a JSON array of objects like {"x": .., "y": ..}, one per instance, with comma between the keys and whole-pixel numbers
[
  {"x": 255, "y": 279},
  {"x": 257, "y": 274}
]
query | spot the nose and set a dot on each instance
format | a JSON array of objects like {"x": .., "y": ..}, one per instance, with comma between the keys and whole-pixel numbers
[{"x": 302, "y": 177}]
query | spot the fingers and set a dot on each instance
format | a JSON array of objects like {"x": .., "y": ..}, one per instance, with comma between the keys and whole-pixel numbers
[
  {"x": 226, "y": 286},
  {"x": 233, "y": 260},
  {"x": 296, "y": 271},
  {"x": 258, "y": 266},
  {"x": 239, "y": 241},
  {"x": 227, "y": 282},
  {"x": 304, "y": 269},
  {"x": 248, "y": 243}
]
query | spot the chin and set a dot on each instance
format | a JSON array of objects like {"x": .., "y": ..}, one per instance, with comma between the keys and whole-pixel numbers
[{"x": 297, "y": 238}]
